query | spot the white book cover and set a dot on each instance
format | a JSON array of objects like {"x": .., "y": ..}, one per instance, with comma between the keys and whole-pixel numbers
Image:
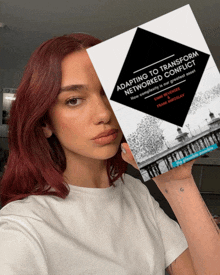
[{"x": 163, "y": 86}]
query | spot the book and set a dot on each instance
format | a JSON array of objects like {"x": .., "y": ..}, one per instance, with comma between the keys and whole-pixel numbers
[{"x": 163, "y": 86}]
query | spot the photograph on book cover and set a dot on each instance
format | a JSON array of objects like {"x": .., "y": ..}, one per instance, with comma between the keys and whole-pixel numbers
[{"x": 163, "y": 86}]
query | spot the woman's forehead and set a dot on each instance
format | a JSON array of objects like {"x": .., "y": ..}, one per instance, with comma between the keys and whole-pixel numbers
[
  {"x": 79, "y": 59},
  {"x": 77, "y": 69}
]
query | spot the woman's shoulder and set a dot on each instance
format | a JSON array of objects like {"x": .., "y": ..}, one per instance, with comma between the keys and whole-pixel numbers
[{"x": 34, "y": 206}]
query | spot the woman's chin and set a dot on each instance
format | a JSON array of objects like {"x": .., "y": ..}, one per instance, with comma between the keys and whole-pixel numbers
[{"x": 108, "y": 153}]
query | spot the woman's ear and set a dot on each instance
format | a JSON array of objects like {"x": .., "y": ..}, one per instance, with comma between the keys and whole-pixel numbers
[{"x": 47, "y": 130}]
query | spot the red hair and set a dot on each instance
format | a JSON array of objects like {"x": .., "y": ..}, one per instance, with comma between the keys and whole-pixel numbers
[{"x": 35, "y": 164}]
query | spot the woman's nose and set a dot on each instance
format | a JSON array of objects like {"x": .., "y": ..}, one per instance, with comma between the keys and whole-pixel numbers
[{"x": 102, "y": 110}]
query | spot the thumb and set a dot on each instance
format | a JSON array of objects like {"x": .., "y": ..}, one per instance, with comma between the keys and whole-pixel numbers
[{"x": 127, "y": 155}]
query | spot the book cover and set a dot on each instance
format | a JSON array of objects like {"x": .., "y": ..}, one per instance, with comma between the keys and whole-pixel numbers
[{"x": 163, "y": 86}]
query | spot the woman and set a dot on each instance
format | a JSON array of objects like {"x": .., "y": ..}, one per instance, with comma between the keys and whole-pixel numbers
[{"x": 68, "y": 206}]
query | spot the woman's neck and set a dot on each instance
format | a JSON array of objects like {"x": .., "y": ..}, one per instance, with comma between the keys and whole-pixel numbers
[{"x": 86, "y": 172}]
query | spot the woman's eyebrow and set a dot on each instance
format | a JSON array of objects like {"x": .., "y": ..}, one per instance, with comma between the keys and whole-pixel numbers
[{"x": 76, "y": 87}]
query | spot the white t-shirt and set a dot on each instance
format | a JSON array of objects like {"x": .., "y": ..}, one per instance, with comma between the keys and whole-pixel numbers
[{"x": 94, "y": 231}]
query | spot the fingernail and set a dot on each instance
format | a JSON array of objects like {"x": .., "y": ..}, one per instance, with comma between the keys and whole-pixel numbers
[{"x": 123, "y": 149}]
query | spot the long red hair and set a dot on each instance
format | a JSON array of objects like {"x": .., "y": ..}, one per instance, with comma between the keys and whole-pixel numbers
[{"x": 35, "y": 164}]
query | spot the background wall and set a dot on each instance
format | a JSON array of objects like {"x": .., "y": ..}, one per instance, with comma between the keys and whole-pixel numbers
[{"x": 28, "y": 23}]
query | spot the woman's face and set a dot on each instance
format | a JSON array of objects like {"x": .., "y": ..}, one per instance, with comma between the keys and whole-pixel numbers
[{"x": 82, "y": 112}]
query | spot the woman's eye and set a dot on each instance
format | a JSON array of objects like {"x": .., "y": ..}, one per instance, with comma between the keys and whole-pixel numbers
[{"x": 74, "y": 101}]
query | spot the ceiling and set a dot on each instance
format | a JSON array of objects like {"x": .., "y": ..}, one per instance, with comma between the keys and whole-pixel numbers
[{"x": 28, "y": 23}]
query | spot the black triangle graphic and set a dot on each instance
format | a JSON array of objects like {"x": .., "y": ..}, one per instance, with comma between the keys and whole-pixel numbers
[{"x": 159, "y": 77}]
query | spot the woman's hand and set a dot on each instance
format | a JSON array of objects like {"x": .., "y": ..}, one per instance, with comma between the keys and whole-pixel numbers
[
  {"x": 127, "y": 155},
  {"x": 182, "y": 172},
  {"x": 195, "y": 220},
  {"x": 179, "y": 173}
]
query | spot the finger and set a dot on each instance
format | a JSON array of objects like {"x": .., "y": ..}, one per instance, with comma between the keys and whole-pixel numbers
[{"x": 127, "y": 155}]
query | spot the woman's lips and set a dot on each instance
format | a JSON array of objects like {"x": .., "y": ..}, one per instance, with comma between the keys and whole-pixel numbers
[{"x": 106, "y": 137}]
